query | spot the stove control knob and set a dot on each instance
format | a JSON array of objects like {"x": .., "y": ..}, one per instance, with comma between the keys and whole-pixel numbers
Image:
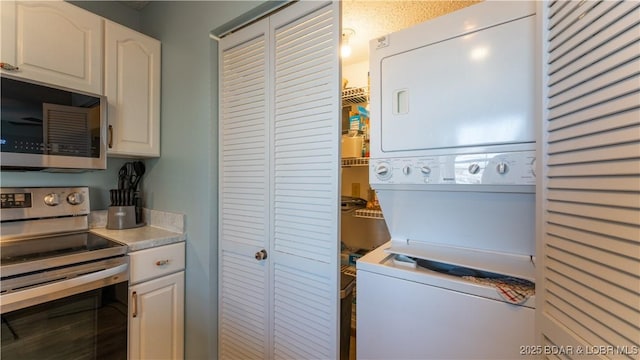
[
  {"x": 474, "y": 168},
  {"x": 52, "y": 199},
  {"x": 75, "y": 198}
]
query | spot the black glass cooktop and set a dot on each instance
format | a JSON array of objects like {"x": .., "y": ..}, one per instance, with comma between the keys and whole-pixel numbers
[{"x": 52, "y": 251}]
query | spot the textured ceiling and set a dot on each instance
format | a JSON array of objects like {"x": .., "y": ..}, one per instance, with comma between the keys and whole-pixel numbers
[{"x": 371, "y": 19}]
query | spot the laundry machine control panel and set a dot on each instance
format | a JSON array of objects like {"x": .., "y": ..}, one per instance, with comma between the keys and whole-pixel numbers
[{"x": 512, "y": 168}]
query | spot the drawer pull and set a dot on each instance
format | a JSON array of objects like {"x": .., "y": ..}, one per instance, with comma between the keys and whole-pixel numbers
[
  {"x": 162, "y": 262},
  {"x": 134, "y": 300}
]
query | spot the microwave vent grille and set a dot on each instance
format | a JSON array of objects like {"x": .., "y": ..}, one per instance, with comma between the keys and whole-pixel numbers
[{"x": 66, "y": 129}]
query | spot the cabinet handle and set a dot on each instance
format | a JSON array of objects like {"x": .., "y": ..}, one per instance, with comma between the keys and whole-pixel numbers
[
  {"x": 162, "y": 262},
  {"x": 134, "y": 300},
  {"x": 8, "y": 67},
  {"x": 261, "y": 255},
  {"x": 110, "y": 136}
]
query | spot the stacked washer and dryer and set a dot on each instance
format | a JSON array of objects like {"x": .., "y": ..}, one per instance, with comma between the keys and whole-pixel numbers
[{"x": 453, "y": 163}]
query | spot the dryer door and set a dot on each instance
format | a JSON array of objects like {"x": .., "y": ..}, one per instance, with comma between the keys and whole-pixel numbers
[{"x": 469, "y": 91}]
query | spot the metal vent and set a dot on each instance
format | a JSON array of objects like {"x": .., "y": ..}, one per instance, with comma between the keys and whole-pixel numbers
[{"x": 66, "y": 130}]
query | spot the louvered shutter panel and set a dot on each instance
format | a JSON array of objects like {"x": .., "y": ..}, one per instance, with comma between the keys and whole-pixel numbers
[
  {"x": 306, "y": 159},
  {"x": 243, "y": 194},
  {"x": 589, "y": 291}
]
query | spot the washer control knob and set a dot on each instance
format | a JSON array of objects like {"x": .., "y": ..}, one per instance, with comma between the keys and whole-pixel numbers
[
  {"x": 406, "y": 170},
  {"x": 474, "y": 168},
  {"x": 383, "y": 171},
  {"x": 533, "y": 167},
  {"x": 502, "y": 168},
  {"x": 425, "y": 170},
  {"x": 52, "y": 199},
  {"x": 75, "y": 198}
]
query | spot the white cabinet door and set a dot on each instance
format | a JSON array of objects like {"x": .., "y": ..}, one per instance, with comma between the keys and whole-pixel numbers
[
  {"x": 53, "y": 42},
  {"x": 156, "y": 318},
  {"x": 132, "y": 87},
  {"x": 588, "y": 189},
  {"x": 279, "y": 186}
]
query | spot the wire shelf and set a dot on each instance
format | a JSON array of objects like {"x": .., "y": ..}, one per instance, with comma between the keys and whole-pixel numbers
[
  {"x": 348, "y": 269},
  {"x": 369, "y": 214},
  {"x": 354, "y": 96},
  {"x": 355, "y": 162}
]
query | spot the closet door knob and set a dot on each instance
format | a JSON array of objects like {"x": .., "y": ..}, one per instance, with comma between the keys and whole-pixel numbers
[{"x": 261, "y": 255}]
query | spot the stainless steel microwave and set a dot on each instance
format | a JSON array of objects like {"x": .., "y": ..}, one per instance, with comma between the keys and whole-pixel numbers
[{"x": 47, "y": 127}]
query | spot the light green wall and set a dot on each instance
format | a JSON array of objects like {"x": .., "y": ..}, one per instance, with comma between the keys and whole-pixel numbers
[
  {"x": 98, "y": 181},
  {"x": 184, "y": 179},
  {"x": 112, "y": 10}
]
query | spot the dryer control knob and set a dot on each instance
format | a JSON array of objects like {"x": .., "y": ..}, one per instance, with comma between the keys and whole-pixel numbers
[
  {"x": 474, "y": 168},
  {"x": 406, "y": 170},
  {"x": 425, "y": 170},
  {"x": 502, "y": 168}
]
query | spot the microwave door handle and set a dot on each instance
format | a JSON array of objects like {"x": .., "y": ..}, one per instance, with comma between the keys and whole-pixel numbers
[
  {"x": 110, "y": 136},
  {"x": 40, "y": 294}
]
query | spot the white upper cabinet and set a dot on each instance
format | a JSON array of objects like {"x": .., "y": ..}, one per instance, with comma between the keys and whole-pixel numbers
[
  {"x": 132, "y": 86},
  {"x": 53, "y": 42}
]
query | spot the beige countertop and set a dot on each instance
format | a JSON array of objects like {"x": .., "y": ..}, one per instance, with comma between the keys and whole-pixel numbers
[
  {"x": 162, "y": 228},
  {"x": 141, "y": 238}
]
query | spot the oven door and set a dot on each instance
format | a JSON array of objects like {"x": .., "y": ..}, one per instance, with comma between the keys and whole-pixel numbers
[{"x": 82, "y": 316}]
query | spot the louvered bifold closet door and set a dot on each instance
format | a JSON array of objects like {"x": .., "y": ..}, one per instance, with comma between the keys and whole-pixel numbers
[
  {"x": 243, "y": 317},
  {"x": 589, "y": 297},
  {"x": 306, "y": 133}
]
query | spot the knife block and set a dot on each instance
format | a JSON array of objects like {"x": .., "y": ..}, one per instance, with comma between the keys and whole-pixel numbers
[{"x": 122, "y": 217}]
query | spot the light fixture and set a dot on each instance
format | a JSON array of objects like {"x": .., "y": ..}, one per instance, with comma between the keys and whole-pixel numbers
[{"x": 345, "y": 49}]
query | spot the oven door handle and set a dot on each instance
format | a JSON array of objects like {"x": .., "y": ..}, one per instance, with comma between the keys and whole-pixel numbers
[{"x": 57, "y": 290}]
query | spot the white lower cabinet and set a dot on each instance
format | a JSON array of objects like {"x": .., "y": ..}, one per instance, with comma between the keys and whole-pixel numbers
[{"x": 156, "y": 303}]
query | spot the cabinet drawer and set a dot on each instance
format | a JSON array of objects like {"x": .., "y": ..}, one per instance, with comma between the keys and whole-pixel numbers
[{"x": 151, "y": 263}]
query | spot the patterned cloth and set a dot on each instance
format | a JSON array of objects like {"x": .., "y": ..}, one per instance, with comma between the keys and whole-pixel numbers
[{"x": 513, "y": 290}]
